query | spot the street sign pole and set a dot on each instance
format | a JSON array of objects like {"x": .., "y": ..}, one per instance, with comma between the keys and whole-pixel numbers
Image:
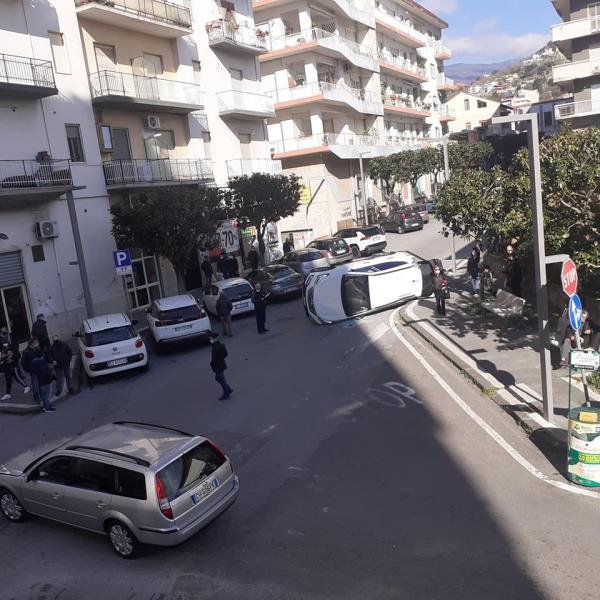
[{"x": 446, "y": 177}]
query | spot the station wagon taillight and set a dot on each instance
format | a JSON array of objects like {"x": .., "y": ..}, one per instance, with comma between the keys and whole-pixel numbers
[
  {"x": 89, "y": 354},
  {"x": 138, "y": 343},
  {"x": 163, "y": 501}
]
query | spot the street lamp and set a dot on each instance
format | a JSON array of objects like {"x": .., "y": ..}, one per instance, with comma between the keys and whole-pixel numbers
[
  {"x": 363, "y": 197},
  {"x": 445, "y": 139},
  {"x": 541, "y": 291}
]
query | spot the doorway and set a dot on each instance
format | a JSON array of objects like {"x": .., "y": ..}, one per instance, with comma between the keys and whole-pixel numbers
[{"x": 13, "y": 311}]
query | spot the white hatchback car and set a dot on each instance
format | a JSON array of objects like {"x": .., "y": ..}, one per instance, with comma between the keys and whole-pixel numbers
[
  {"x": 364, "y": 241},
  {"x": 177, "y": 318},
  {"x": 238, "y": 290},
  {"x": 109, "y": 344},
  {"x": 365, "y": 286}
]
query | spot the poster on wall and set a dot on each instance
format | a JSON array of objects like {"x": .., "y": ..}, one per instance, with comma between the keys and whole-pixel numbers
[
  {"x": 305, "y": 194},
  {"x": 229, "y": 236},
  {"x": 273, "y": 251}
]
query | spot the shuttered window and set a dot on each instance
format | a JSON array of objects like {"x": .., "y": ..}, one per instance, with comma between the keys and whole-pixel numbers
[{"x": 11, "y": 269}]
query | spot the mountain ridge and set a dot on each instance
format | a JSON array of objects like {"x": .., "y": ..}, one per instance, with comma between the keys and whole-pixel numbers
[{"x": 469, "y": 72}]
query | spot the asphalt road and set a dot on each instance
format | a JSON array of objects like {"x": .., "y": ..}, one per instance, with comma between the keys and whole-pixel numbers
[{"x": 360, "y": 479}]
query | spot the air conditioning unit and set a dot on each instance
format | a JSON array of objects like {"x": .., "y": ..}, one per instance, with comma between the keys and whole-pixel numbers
[
  {"x": 46, "y": 230},
  {"x": 152, "y": 122}
]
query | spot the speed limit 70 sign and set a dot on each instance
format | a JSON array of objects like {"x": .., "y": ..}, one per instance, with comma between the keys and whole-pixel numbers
[
  {"x": 228, "y": 236},
  {"x": 568, "y": 277}
]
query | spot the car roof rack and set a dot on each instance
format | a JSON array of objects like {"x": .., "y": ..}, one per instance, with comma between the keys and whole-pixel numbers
[
  {"x": 153, "y": 425},
  {"x": 136, "y": 459}
]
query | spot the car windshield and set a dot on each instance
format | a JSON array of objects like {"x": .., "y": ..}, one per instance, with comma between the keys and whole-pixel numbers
[
  {"x": 190, "y": 469},
  {"x": 110, "y": 336},
  {"x": 371, "y": 231},
  {"x": 339, "y": 245},
  {"x": 235, "y": 291},
  {"x": 184, "y": 312},
  {"x": 355, "y": 294},
  {"x": 279, "y": 271}
]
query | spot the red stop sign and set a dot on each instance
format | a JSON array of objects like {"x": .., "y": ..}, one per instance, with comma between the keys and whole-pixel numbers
[{"x": 568, "y": 277}]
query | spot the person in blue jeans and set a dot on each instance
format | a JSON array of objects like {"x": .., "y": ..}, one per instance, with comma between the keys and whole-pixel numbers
[
  {"x": 218, "y": 365},
  {"x": 43, "y": 371}
]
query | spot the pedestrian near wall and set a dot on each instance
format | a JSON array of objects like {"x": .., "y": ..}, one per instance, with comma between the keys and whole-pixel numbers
[
  {"x": 259, "y": 299},
  {"x": 61, "y": 356},
  {"x": 30, "y": 353},
  {"x": 473, "y": 270},
  {"x": 10, "y": 338},
  {"x": 43, "y": 371},
  {"x": 207, "y": 270},
  {"x": 40, "y": 332},
  {"x": 8, "y": 366},
  {"x": 218, "y": 365},
  {"x": 224, "y": 307},
  {"x": 440, "y": 288}
]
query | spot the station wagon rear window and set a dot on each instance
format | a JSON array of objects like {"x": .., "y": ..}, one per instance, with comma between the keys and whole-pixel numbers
[
  {"x": 308, "y": 256},
  {"x": 355, "y": 294},
  {"x": 109, "y": 336},
  {"x": 236, "y": 292},
  {"x": 184, "y": 312},
  {"x": 372, "y": 231}
]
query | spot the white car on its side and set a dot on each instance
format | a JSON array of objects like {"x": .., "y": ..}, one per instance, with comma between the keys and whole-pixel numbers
[
  {"x": 177, "y": 318},
  {"x": 238, "y": 290},
  {"x": 365, "y": 286},
  {"x": 109, "y": 344}
]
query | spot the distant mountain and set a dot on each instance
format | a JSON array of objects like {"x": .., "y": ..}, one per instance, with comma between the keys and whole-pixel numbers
[{"x": 470, "y": 72}]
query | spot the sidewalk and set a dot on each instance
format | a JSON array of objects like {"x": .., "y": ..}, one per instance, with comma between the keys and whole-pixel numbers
[{"x": 502, "y": 359}]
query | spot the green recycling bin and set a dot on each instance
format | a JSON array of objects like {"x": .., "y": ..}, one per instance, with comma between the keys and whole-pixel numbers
[{"x": 583, "y": 465}]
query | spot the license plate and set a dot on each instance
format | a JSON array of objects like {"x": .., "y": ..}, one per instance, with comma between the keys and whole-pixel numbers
[
  {"x": 182, "y": 327},
  {"x": 242, "y": 305},
  {"x": 116, "y": 362},
  {"x": 340, "y": 252},
  {"x": 205, "y": 490}
]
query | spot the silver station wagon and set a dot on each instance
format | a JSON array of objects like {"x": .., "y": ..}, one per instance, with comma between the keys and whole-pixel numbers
[{"x": 135, "y": 482}]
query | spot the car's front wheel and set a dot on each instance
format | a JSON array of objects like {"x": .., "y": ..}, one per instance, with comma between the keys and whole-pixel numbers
[
  {"x": 355, "y": 251},
  {"x": 10, "y": 506},
  {"x": 121, "y": 539}
]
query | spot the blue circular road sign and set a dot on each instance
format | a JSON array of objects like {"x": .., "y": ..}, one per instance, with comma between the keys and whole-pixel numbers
[{"x": 575, "y": 310}]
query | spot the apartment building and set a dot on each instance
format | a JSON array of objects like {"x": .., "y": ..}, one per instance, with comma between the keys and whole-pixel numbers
[
  {"x": 473, "y": 112},
  {"x": 48, "y": 153},
  {"x": 351, "y": 80},
  {"x": 578, "y": 38}
]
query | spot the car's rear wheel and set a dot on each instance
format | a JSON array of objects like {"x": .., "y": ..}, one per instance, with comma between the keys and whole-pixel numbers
[
  {"x": 355, "y": 251},
  {"x": 10, "y": 506},
  {"x": 121, "y": 539}
]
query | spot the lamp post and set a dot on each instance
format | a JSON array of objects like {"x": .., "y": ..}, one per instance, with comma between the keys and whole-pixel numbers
[
  {"x": 541, "y": 288},
  {"x": 363, "y": 196},
  {"x": 445, "y": 138}
]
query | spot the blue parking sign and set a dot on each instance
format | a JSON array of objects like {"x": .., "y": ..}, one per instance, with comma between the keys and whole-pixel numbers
[
  {"x": 575, "y": 312},
  {"x": 122, "y": 260}
]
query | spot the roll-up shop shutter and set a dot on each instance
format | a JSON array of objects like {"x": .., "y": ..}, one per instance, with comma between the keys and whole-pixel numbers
[{"x": 11, "y": 269}]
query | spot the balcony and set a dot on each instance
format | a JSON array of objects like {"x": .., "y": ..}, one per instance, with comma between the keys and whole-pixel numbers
[
  {"x": 406, "y": 106},
  {"x": 23, "y": 77},
  {"x": 246, "y": 166},
  {"x": 330, "y": 44},
  {"x": 152, "y": 17},
  {"x": 564, "y": 33},
  {"x": 399, "y": 66},
  {"x": 445, "y": 83},
  {"x": 400, "y": 29},
  {"x": 580, "y": 69},
  {"x": 442, "y": 52},
  {"x": 229, "y": 35},
  {"x": 445, "y": 113},
  {"x": 30, "y": 180},
  {"x": 112, "y": 89},
  {"x": 360, "y": 100},
  {"x": 144, "y": 173},
  {"x": 246, "y": 100},
  {"x": 572, "y": 110}
]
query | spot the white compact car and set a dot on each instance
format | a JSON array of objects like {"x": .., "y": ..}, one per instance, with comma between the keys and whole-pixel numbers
[
  {"x": 109, "y": 344},
  {"x": 238, "y": 290},
  {"x": 365, "y": 286},
  {"x": 177, "y": 318},
  {"x": 363, "y": 241}
]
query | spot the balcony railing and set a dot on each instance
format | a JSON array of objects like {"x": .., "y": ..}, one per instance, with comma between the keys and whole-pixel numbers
[
  {"x": 404, "y": 26},
  {"x": 24, "y": 71},
  {"x": 441, "y": 50},
  {"x": 15, "y": 174},
  {"x": 409, "y": 103},
  {"x": 223, "y": 30},
  {"x": 578, "y": 69},
  {"x": 139, "y": 87},
  {"x": 147, "y": 172},
  {"x": 402, "y": 63},
  {"x": 240, "y": 103},
  {"x": 444, "y": 112},
  {"x": 246, "y": 166},
  {"x": 444, "y": 81},
  {"x": 577, "y": 109},
  {"x": 575, "y": 29},
  {"x": 159, "y": 10}
]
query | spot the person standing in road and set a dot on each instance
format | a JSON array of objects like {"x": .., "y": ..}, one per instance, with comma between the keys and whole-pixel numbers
[
  {"x": 29, "y": 355},
  {"x": 8, "y": 365},
  {"x": 287, "y": 246},
  {"x": 259, "y": 299},
  {"x": 233, "y": 267},
  {"x": 61, "y": 359},
  {"x": 514, "y": 275},
  {"x": 207, "y": 270},
  {"x": 224, "y": 307},
  {"x": 253, "y": 259},
  {"x": 222, "y": 265},
  {"x": 473, "y": 270},
  {"x": 43, "y": 371},
  {"x": 218, "y": 365},
  {"x": 40, "y": 332},
  {"x": 440, "y": 288}
]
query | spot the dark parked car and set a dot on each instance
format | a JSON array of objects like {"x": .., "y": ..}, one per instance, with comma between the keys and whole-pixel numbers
[
  {"x": 336, "y": 249},
  {"x": 403, "y": 220},
  {"x": 279, "y": 280}
]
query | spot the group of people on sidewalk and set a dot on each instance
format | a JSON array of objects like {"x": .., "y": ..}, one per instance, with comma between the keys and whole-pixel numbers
[
  {"x": 43, "y": 361},
  {"x": 483, "y": 280}
]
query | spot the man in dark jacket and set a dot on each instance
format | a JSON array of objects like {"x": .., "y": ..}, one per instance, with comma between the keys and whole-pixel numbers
[
  {"x": 222, "y": 265},
  {"x": 208, "y": 272},
  {"x": 514, "y": 275},
  {"x": 259, "y": 299},
  {"x": 253, "y": 259},
  {"x": 30, "y": 353},
  {"x": 10, "y": 338},
  {"x": 224, "y": 307},
  {"x": 40, "y": 332},
  {"x": 218, "y": 365},
  {"x": 233, "y": 267},
  {"x": 43, "y": 371},
  {"x": 61, "y": 354},
  {"x": 473, "y": 270},
  {"x": 440, "y": 288}
]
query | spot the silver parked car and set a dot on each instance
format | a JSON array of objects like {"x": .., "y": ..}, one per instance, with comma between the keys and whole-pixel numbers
[
  {"x": 135, "y": 482},
  {"x": 304, "y": 260}
]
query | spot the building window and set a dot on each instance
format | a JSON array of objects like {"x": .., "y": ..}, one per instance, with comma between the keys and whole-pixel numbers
[
  {"x": 197, "y": 67},
  {"x": 467, "y": 104},
  {"x": 59, "y": 52},
  {"x": 548, "y": 120},
  {"x": 106, "y": 57},
  {"x": 468, "y": 126},
  {"x": 37, "y": 253},
  {"x": 75, "y": 143},
  {"x": 481, "y": 104},
  {"x": 207, "y": 147},
  {"x": 143, "y": 286}
]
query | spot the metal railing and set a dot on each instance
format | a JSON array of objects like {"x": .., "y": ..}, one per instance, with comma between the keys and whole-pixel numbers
[
  {"x": 114, "y": 83},
  {"x": 444, "y": 111},
  {"x": 245, "y": 101},
  {"x": 247, "y": 166},
  {"x": 328, "y": 90},
  {"x": 122, "y": 172},
  {"x": 401, "y": 63},
  {"x": 160, "y": 10},
  {"x": 401, "y": 101},
  {"x": 441, "y": 49},
  {"x": 444, "y": 81},
  {"x": 576, "y": 109},
  {"x": 33, "y": 173},
  {"x": 402, "y": 25},
  {"x": 21, "y": 70},
  {"x": 223, "y": 29}
]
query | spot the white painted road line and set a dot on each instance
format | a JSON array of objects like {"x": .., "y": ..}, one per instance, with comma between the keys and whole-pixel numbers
[{"x": 512, "y": 452}]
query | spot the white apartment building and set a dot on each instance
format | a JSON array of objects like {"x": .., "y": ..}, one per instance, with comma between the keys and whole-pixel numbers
[
  {"x": 578, "y": 38},
  {"x": 471, "y": 111},
  {"x": 350, "y": 79}
]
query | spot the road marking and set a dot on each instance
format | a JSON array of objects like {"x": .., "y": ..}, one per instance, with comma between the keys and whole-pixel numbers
[
  {"x": 512, "y": 452},
  {"x": 373, "y": 336}
]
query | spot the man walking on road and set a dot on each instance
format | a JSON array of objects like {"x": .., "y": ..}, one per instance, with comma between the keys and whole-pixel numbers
[
  {"x": 259, "y": 298},
  {"x": 43, "y": 372},
  {"x": 61, "y": 357},
  {"x": 224, "y": 308},
  {"x": 208, "y": 272},
  {"x": 40, "y": 332},
  {"x": 218, "y": 365},
  {"x": 473, "y": 270},
  {"x": 29, "y": 355}
]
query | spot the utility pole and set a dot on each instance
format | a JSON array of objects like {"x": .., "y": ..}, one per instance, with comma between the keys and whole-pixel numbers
[
  {"x": 541, "y": 288},
  {"x": 446, "y": 177},
  {"x": 363, "y": 195}
]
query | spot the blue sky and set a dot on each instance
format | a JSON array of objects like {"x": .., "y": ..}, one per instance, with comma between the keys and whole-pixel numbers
[{"x": 483, "y": 31}]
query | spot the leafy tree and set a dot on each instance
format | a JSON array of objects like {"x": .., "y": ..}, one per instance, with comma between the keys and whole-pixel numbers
[
  {"x": 260, "y": 199},
  {"x": 168, "y": 222},
  {"x": 469, "y": 156},
  {"x": 382, "y": 168}
]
